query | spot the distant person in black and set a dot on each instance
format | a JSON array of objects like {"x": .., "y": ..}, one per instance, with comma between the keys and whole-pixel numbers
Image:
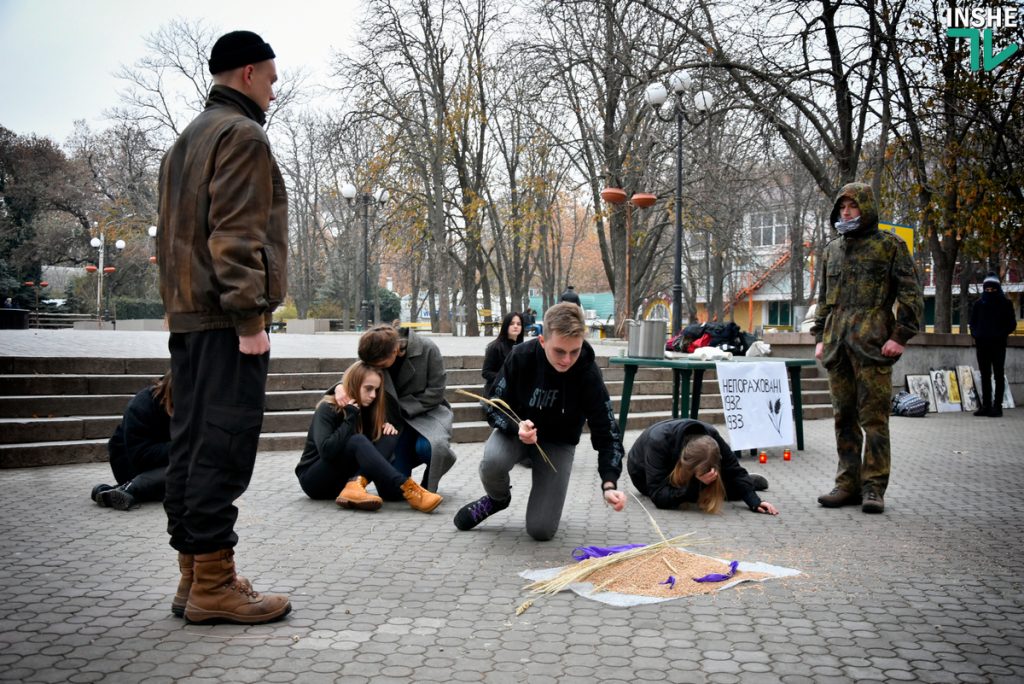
[
  {"x": 511, "y": 334},
  {"x": 992, "y": 321},
  {"x": 139, "y": 449},
  {"x": 570, "y": 296}
]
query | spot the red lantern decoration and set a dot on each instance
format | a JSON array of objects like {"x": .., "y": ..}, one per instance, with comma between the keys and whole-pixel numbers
[
  {"x": 613, "y": 195},
  {"x": 90, "y": 268},
  {"x": 787, "y": 455},
  {"x": 643, "y": 199},
  {"x": 29, "y": 283},
  {"x": 109, "y": 269},
  {"x": 44, "y": 284},
  {"x": 763, "y": 458}
]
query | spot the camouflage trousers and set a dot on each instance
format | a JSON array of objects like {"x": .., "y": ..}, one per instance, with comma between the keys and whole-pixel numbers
[{"x": 861, "y": 401}]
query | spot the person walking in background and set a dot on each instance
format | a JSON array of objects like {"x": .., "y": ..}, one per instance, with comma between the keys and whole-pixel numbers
[
  {"x": 992, "y": 321},
  {"x": 139, "y": 449},
  {"x": 350, "y": 443},
  {"x": 554, "y": 385},
  {"x": 570, "y": 296},
  {"x": 676, "y": 462},
  {"x": 222, "y": 245},
  {"x": 864, "y": 272},
  {"x": 511, "y": 334}
]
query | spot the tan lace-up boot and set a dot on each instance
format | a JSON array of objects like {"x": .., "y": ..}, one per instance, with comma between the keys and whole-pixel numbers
[
  {"x": 185, "y": 564},
  {"x": 219, "y": 595},
  {"x": 354, "y": 495},
  {"x": 185, "y": 561},
  {"x": 420, "y": 498}
]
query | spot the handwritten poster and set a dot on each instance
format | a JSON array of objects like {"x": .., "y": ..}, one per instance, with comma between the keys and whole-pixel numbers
[{"x": 758, "y": 409}]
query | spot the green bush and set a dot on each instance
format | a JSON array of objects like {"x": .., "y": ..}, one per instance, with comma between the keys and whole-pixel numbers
[{"x": 130, "y": 308}]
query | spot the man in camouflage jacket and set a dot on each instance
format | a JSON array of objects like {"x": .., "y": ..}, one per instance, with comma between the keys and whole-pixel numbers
[{"x": 864, "y": 271}]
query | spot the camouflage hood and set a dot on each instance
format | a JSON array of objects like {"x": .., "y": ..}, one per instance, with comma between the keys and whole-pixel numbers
[{"x": 860, "y": 193}]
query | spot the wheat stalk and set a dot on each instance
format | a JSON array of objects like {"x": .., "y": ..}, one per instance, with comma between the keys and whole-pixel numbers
[{"x": 502, "y": 406}]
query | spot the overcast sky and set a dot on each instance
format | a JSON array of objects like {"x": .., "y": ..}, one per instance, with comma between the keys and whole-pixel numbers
[{"x": 58, "y": 57}]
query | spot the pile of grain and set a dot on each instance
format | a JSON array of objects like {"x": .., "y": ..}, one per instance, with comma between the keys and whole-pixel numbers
[{"x": 642, "y": 575}]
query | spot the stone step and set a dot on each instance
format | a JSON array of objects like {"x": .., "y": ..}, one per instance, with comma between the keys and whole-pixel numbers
[
  {"x": 84, "y": 427},
  {"x": 94, "y": 450},
  {"x": 64, "y": 410}
]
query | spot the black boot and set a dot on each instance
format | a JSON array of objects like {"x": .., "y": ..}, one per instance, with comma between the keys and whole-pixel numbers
[
  {"x": 983, "y": 411},
  {"x": 120, "y": 497},
  {"x": 97, "y": 490}
]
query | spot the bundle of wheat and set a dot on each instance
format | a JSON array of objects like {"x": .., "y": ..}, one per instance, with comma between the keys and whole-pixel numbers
[{"x": 501, "y": 405}]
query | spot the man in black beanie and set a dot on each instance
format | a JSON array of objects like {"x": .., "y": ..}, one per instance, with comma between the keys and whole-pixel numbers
[{"x": 222, "y": 249}]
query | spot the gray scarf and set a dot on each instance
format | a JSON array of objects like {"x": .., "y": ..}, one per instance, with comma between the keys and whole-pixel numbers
[{"x": 845, "y": 227}]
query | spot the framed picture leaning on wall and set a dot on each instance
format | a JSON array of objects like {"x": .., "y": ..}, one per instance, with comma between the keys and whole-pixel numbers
[{"x": 921, "y": 385}]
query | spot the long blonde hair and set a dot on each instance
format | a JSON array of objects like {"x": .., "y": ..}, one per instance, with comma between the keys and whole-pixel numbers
[
  {"x": 372, "y": 417},
  {"x": 699, "y": 455}
]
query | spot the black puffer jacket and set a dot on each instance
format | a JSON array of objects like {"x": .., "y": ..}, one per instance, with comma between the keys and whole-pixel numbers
[
  {"x": 656, "y": 452},
  {"x": 559, "y": 403}
]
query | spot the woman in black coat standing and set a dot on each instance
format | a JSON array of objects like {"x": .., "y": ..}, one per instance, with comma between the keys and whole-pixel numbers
[
  {"x": 511, "y": 334},
  {"x": 992, "y": 321}
]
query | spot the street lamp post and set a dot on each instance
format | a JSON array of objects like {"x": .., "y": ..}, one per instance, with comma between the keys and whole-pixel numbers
[
  {"x": 656, "y": 95},
  {"x": 365, "y": 199},
  {"x": 35, "y": 287},
  {"x": 100, "y": 243}
]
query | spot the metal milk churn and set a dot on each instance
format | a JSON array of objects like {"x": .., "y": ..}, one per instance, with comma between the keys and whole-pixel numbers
[{"x": 646, "y": 338}]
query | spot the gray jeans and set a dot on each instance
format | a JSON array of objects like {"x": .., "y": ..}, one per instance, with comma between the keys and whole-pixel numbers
[{"x": 547, "y": 495}]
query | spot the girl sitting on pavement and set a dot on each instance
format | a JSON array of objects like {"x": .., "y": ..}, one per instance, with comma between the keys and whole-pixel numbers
[
  {"x": 348, "y": 445},
  {"x": 139, "y": 449},
  {"x": 686, "y": 461}
]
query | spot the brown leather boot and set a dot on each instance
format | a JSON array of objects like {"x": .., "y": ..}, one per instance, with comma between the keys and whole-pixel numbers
[
  {"x": 185, "y": 561},
  {"x": 219, "y": 595},
  {"x": 354, "y": 495},
  {"x": 420, "y": 498}
]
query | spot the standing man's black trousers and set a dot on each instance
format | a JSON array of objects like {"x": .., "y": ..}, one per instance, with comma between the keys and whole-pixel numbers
[
  {"x": 218, "y": 395},
  {"x": 992, "y": 363}
]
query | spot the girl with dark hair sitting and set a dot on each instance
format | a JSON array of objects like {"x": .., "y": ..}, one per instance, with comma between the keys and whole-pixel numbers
[
  {"x": 677, "y": 462},
  {"x": 139, "y": 449},
  {"x": 348, "y": 445}
]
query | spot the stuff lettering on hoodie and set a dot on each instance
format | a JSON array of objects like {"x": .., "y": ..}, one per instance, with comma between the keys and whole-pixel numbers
[{"x": 542, "y": 398}]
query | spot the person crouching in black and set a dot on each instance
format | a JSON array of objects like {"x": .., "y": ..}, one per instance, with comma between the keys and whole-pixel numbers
[
  {"x": 139, "y": 449},
  {"x": 677, "y": 462}
]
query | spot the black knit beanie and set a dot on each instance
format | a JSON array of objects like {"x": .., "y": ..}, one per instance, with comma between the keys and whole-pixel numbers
[{"x": 238, "y": 48}]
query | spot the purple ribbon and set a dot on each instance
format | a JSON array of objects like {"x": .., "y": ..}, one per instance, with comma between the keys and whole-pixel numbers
[
  {"x": 585, "y": 552},
  {"x": 671, "y": 582},
  {"x": 718, "y": 577}
]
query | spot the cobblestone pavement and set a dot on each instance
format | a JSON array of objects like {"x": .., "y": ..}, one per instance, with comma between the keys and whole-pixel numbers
[{"x": 930, "y": 591}]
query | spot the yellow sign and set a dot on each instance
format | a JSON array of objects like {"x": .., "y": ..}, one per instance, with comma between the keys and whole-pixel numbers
[{"x": 905, "y": 232}]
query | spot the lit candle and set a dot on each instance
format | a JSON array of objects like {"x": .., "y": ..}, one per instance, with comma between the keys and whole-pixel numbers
[
  {"x": 787, "y": 455},
  {"x": 763, "y": 458}
]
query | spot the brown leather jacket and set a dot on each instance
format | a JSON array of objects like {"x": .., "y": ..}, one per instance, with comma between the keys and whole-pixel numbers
[{"x": 222, "y": 240}]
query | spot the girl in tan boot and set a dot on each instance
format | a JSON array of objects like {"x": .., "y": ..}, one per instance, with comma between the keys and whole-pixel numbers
[{"x": 348, "y": 445}]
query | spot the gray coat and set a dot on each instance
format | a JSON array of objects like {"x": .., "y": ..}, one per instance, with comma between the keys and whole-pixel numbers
[{"x": 419, "y": 393}]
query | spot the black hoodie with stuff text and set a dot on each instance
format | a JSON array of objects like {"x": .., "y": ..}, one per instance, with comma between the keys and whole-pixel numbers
[{"x": 559, "y": 403}]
